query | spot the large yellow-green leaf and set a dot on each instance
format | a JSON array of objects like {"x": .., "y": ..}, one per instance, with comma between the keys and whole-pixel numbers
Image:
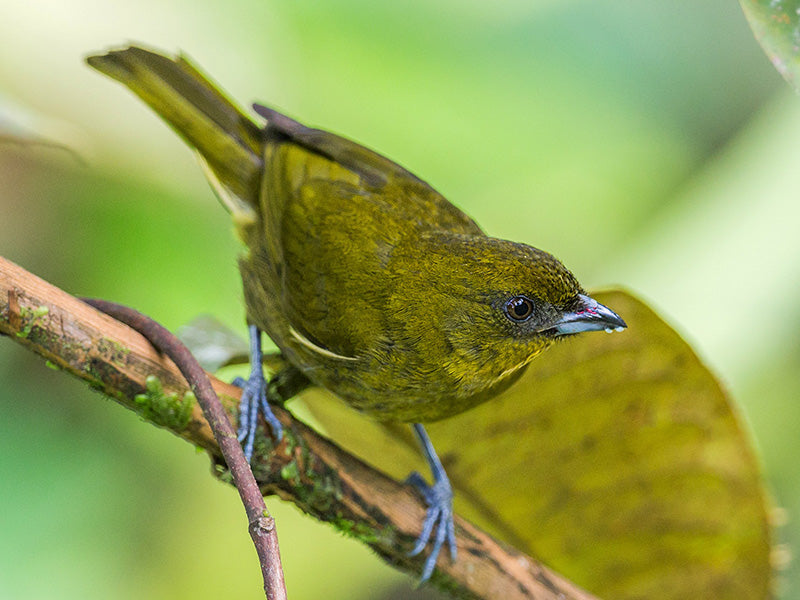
[
  {"x": 616, "y": 459},
  {"x": 776, "y": 25}
]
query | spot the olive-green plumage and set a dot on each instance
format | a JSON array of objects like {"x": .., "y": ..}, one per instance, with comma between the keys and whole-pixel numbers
[{"x": 368, "y": 280}]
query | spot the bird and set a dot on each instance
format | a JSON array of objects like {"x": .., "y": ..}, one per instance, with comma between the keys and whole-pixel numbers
[{"x": 371, "y": 283}]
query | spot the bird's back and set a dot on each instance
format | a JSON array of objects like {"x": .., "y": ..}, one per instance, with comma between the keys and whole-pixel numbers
[
  {"x": 332, "y": 214},
  {"x": 321, "y": 216}
]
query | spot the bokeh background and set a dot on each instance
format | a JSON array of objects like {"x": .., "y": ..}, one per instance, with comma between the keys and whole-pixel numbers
[{"x": 648, "y": 144}]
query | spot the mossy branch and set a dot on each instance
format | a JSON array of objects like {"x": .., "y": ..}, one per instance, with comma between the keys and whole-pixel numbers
[
  {"x": 305, "y": 468},
  {"x": 166, "y": 410}
]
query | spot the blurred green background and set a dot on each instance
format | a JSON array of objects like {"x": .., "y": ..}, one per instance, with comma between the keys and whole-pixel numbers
[{"x": 647, "y": 144}]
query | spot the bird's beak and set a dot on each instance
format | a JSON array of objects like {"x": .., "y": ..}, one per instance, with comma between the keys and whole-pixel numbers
[{"x": 588, "y": 316}]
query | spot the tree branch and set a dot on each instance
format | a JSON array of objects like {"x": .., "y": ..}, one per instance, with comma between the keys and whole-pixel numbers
[
  {"x": 304, "y": 468},
  {"x": 261, "y": 524}
]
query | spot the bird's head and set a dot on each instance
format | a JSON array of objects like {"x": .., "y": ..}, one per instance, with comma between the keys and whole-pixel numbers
[{"x": 497, "y": 304}]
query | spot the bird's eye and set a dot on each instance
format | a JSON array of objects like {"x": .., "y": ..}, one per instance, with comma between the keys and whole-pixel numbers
[{"x": 519, "y": 308}]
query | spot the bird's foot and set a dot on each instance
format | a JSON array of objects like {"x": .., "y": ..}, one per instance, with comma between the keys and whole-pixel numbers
[
  {"x": 439, "y": 517},
  {"x": 254, "y": 401}
]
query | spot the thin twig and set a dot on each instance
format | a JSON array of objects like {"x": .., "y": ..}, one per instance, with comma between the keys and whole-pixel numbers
[
  {"x": 304, "y": 468},
  {"x": 262, "y": 525}
]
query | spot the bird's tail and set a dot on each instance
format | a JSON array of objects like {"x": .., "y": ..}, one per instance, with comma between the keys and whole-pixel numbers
[{"x": 226, "y": 138}]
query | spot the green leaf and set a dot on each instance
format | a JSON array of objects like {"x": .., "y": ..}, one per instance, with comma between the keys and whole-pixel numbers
[
  {"x": 776, "y": 25},
  {"x": 616, "y": 459},
  {"x": 213, "y": 343},
  {"x": 26, "y": 128}
]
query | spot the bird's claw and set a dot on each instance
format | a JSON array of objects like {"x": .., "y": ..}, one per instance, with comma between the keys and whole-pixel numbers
[
  {"x": 254, "y": 401},
  {"x": 439, "y": 498}
]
